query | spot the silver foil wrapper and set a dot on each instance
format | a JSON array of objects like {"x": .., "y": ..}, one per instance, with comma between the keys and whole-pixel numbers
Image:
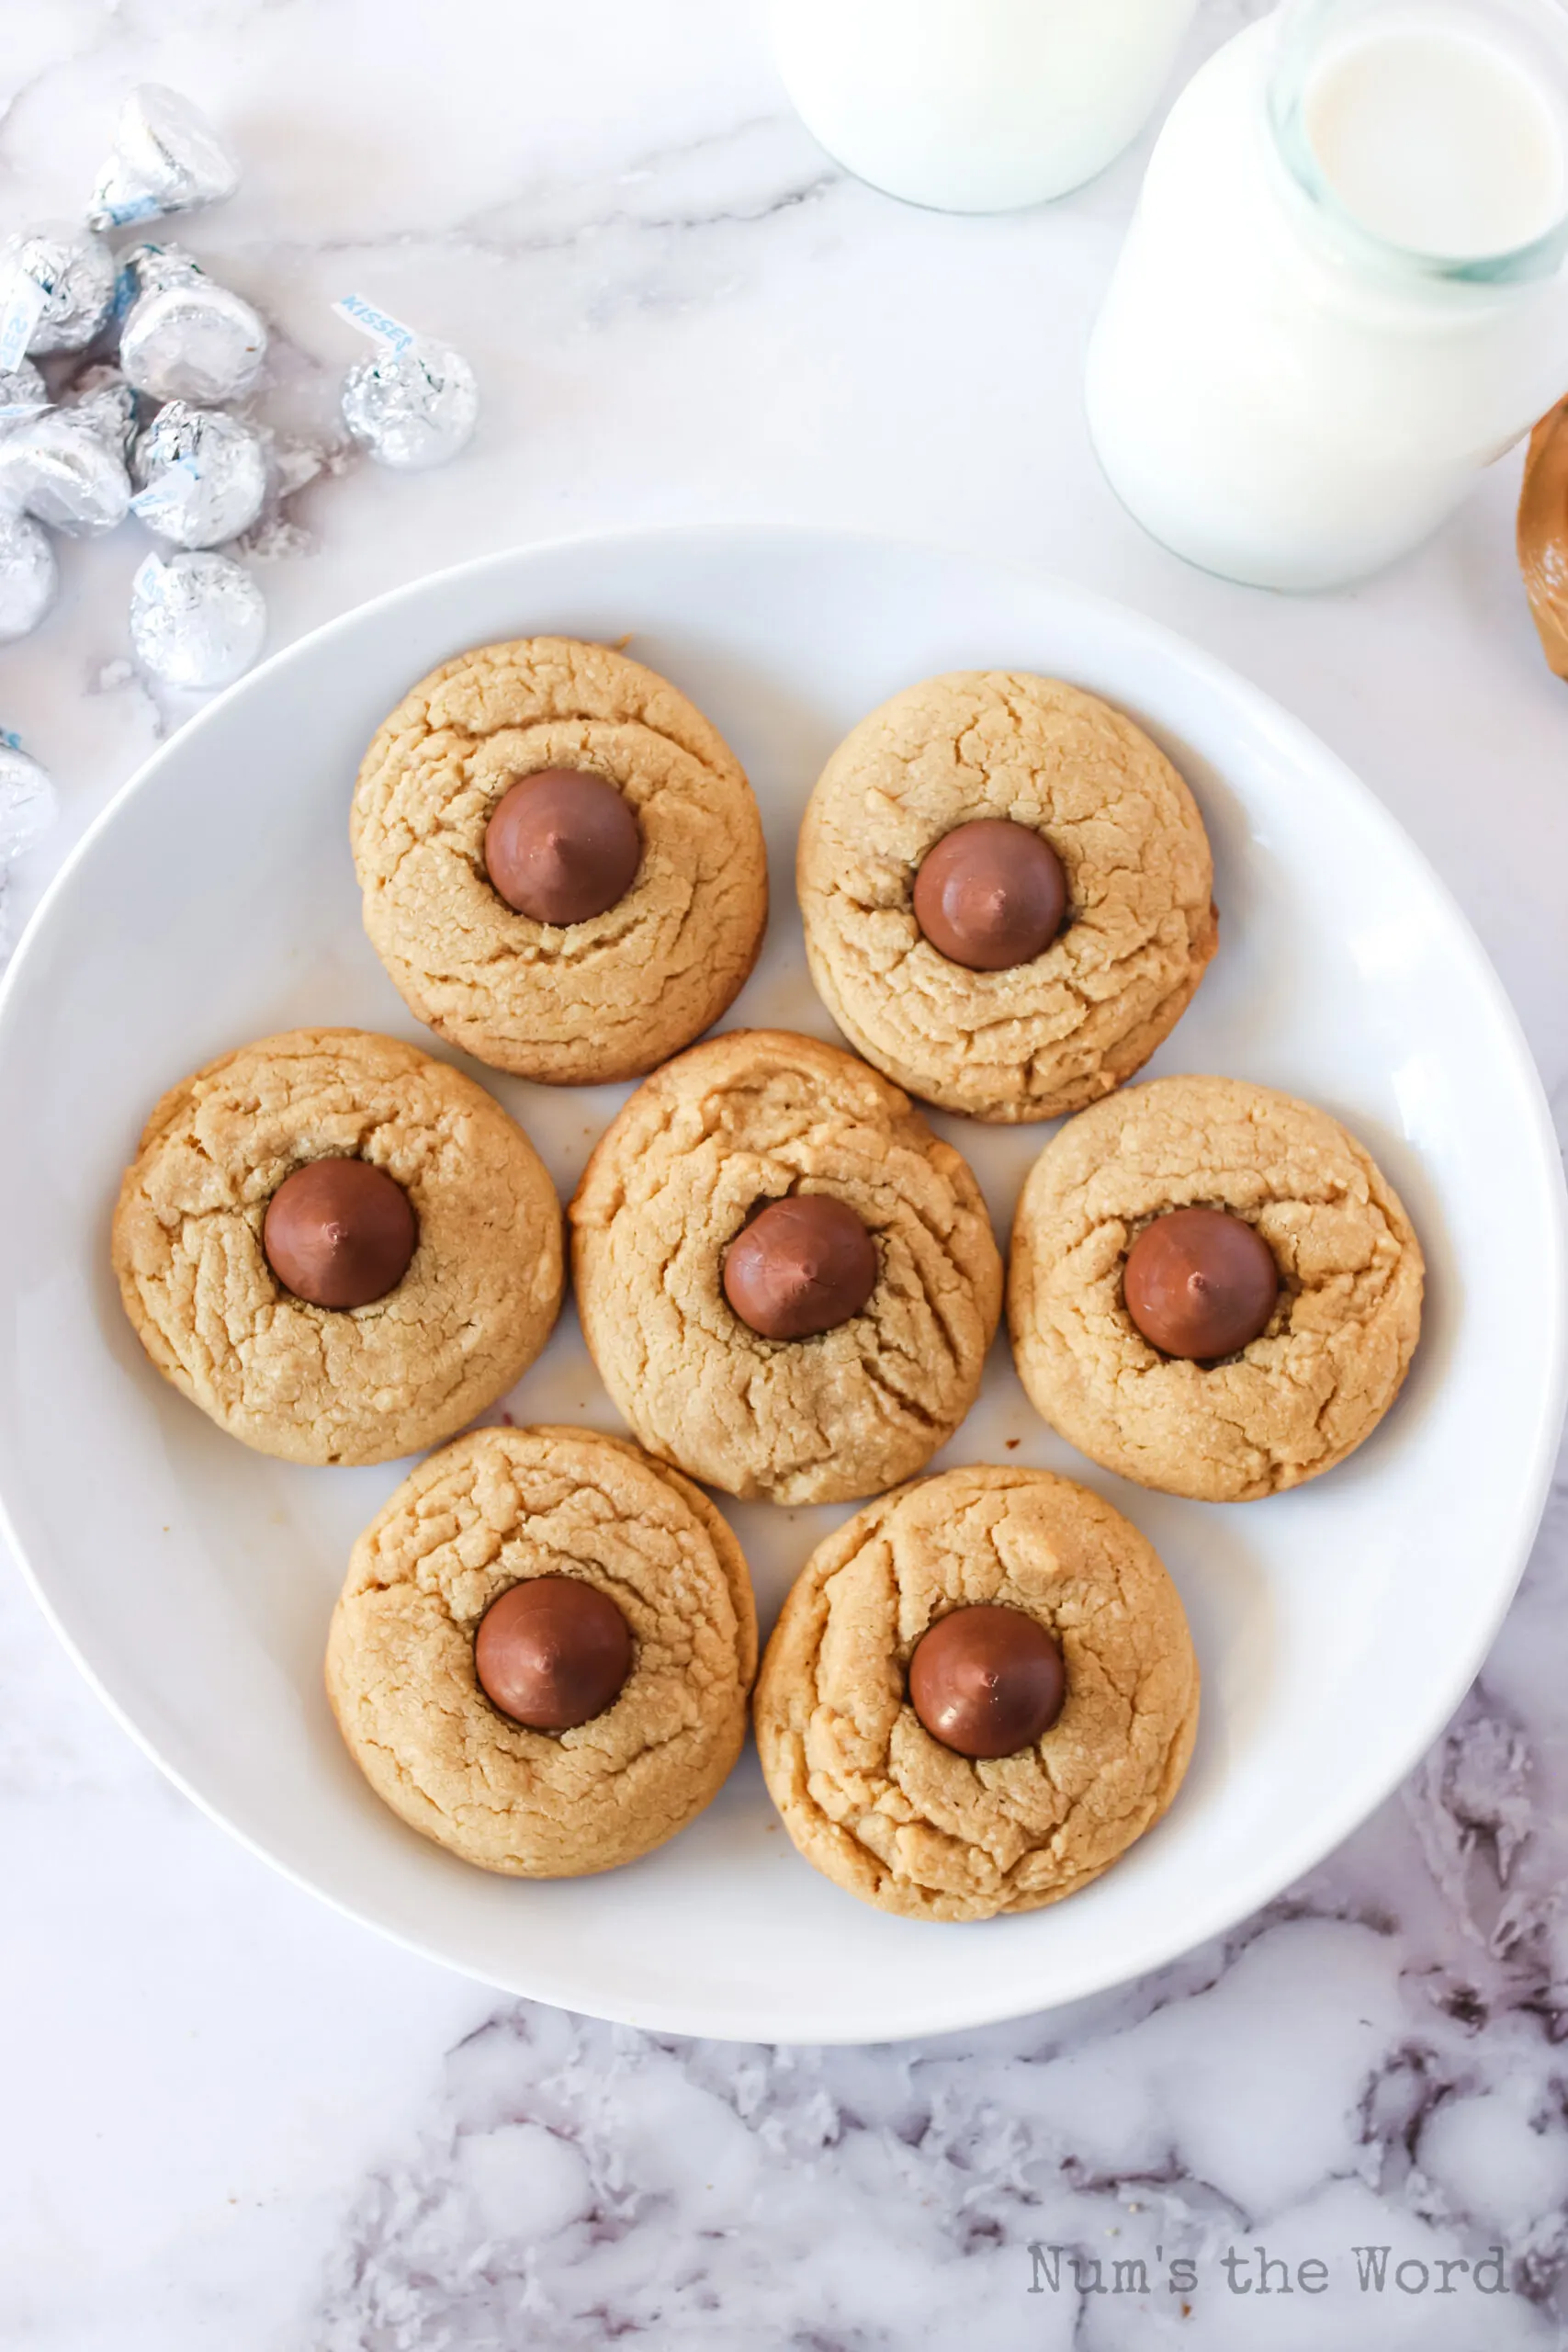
[
  {"x": 56, "y": 288},
  {"x": 58, "y": 470},
  {"x": 101, "y": 399},
  {"x": 196, "y": 621},
  {"x": 411, "y": 408},
  {"x": 28, "y": 576},
  {"x": 184, "y": 337},
  {"x": 27, "y": 803},
  {"x": 22, "y": 394},
  {"x": 201, "y": 476},
  {"x": 166, "y": 158}
]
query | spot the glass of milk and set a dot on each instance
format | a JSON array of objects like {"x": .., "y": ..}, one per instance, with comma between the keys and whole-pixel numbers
[
  {"x": 977, "y": 106},
  {"x": 1344, "y": 292}
]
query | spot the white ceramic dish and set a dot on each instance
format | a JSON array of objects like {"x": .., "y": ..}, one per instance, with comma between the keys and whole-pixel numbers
[{"x": 1337, "y": 1626}]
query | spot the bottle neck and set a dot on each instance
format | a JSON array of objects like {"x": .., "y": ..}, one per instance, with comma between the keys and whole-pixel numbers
[{"x": 1356, "y": 91}]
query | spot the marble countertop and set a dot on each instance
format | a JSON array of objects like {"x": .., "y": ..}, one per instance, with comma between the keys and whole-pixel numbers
[{"x": 235, "y": 2118}]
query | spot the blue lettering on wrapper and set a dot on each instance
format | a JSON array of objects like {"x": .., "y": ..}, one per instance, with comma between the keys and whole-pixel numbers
[
  {"x": 378, "y": 325},
  {"x": 135, "y": 207}
]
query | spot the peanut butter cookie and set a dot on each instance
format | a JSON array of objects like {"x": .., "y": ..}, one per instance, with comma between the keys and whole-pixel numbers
[
  {"x": 1200, "y": 1408},
  {"x": 561, "y": 860},
  {"x": 943, "y": 1824},
  {"x": 1006, "y": 894},
  {"x": 339, "y": 1249},
  {"x": 787, "y": 1283},
  {"x": 503, "y": 1517}
]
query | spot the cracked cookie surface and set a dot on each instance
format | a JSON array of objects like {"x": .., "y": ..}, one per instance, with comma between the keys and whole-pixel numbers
[
  {"x": 325, "y": 1384},
  {"x": 1334, "y": 1354},
  {"x": 499, "y": 1506},
  {"x": 1039, "y": 1038},
  {"x": 581, "y": 1004},
  {"x": 746, "y": 1118},
  {"x": 887, "y": 1812}
]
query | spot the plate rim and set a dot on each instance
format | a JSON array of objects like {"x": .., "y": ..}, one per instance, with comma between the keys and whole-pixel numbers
[{"x": 1296, "y": 738}]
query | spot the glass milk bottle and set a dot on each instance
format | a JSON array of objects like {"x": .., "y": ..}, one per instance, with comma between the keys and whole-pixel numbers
[
  {"x": 977, "y": 106},
  {"x": 1344, "y": 292}
]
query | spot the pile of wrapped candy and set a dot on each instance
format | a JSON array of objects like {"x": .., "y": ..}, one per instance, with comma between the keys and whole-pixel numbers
[{"x": 142, "y": 349}]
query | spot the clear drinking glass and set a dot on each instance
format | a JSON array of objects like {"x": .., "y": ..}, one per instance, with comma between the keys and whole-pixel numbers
[{"x": 977, "y": 106}]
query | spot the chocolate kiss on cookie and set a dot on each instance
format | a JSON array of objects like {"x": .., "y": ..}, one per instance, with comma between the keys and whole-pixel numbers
[
  {"x": 562, "y": 846},
  {"x": 990, "y": 895},
  {"x": 552, "y": 1653},
  {"x": 1201, "y": 1284},
  {"x": 340, "y": 1233},
  {"x": 804, "y": 1265},
  {"x": 987, "y": 1680}
]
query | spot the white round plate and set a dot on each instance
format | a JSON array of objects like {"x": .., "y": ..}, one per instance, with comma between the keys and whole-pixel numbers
[{"x": 1337, "y": 1627}]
